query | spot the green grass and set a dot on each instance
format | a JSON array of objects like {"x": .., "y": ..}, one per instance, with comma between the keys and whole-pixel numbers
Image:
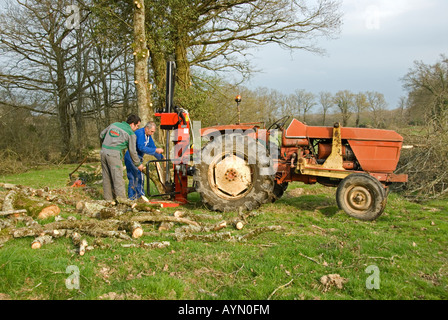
[
  {"x": 56, "y": 177},
  {"x": 408, "y": 244}
]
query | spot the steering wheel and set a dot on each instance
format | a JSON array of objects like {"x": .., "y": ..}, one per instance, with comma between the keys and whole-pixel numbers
[{"x": 277, "y": 124}]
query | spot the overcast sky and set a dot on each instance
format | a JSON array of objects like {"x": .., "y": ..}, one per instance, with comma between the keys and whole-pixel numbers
[{"x": 379, "y": 42}]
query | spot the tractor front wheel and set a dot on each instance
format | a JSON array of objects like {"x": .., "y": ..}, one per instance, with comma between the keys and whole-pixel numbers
[{"x": 361, "y": 196}]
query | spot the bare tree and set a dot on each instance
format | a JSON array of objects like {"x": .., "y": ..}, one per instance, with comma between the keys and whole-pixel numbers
[
  {"x": 344, "y": 102},
  {"x": 427, "y": 104},
  {"x": 428, "y": 92},
  {"x": 65, "y": 66},
  {"x": 305, "y": 101},
  {"x": 141, "y": 54},
  {"x": 377, "y": 105},
  {"x": 403, "y": 116},
  {"x": 327, "y": 102},
  {"x": 39, "y": 51},
  {"x": 222, "y": 31},
  {"x": 360, "y": 104}
]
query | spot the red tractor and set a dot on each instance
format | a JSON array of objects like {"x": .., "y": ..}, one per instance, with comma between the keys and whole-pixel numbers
[{"x": 243, "y": 166}]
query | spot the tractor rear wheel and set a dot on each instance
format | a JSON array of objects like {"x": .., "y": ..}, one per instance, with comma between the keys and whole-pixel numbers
[
  {"x": 235, "y": 172},
  {"x": 361, "y": 196}
]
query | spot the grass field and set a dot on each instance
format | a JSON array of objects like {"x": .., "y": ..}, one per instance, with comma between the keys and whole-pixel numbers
[{"x": 403, "y": 255}]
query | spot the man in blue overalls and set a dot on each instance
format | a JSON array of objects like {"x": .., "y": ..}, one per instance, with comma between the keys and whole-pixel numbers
[{"x": 145, "y": 145}]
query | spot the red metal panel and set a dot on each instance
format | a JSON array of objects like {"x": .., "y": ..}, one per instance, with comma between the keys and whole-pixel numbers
[
  {"x": 296, "y": 130},
  {"x": 168, "y": 119},
  {"x": 376, "y": 156},
  {"x": 354, "y": 134}
]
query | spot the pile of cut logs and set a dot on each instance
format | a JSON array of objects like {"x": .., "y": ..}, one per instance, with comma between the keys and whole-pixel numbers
[{"x": 99, "y": 219}]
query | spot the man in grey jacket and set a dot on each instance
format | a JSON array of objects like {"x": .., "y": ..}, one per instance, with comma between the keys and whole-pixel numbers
[{"x": 115, "y": 138}]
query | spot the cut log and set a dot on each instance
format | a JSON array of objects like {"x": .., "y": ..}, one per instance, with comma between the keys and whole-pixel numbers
[
  {"x": 40, "y": 241},
  {"x": 83, "y": 247},
  {"x": 132, "y": 227},
  {"x": 10, "y": 212},
  {"x": 60, "y": 233},
  {"x": 179, "y": 214},
  {"x": 130, "y": 203},
  {"x": 107, "y": 213},
  {"x": 240, "y": 221},
  {"x": 50, "y": 211},
  {"x": 8, "y": 202},
  {"x": 80, "y": 243},
  {"x": 152, "y": 245},
  {"x": 5, "y": 224},
  {"x": 145, "y": 207},
  {"x": 220, "y": 236},
  {"x": 160, "y": 218},
  {"x": 189, "y": 229},
  {"x": 76, "y": 238},
  {"x": 28, "y": 231},
  {"x": 220, "y": 225},
  {"x": 239, "y": 224},
  {"x": 165, "y": 226},
  {"x": 90, "y": 209},
  {"x": 93, "y": 228},
  {"x": 198, "y": 228},
  {"x": 32, "y": 205},
  {"x": 207, "y": 217},
  {"x": 8, "y": 186}
]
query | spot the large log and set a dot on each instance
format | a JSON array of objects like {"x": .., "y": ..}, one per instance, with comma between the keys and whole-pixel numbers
[
  {"x": 33, "y": 205},
  {"x": 165, "y": 226},
  {"x": 40, "y": 241},
  {"x": 201, "y": 228},
  {"x": 94, "y": 228},
  {"x": 60, "y": 233},
  {"x": 8, "y": 186},
  {"x": 220, "y": 236},
  {"x": 90, "y": 209},
  {"x": 8, "y": 202},
  {"x": 152, "y": 245},
  {"x": 107, "y": 213},
  {"x": 50, "y": 211},
  {"x": 27, "y": 231},
  {"x": 10, "y": 212},
  {"x": 5, "y": 224},
  {"x": 160, "y": 218},
  {"x": 133, "y": 227}
]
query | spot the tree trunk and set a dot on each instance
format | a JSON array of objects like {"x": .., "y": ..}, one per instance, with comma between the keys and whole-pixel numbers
[
  {"x": 141, "y": 55},
  {"x": 78, "y": 116},
  {"x": 63, "y": 103},
  {"x": 182, "y": 65}
]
